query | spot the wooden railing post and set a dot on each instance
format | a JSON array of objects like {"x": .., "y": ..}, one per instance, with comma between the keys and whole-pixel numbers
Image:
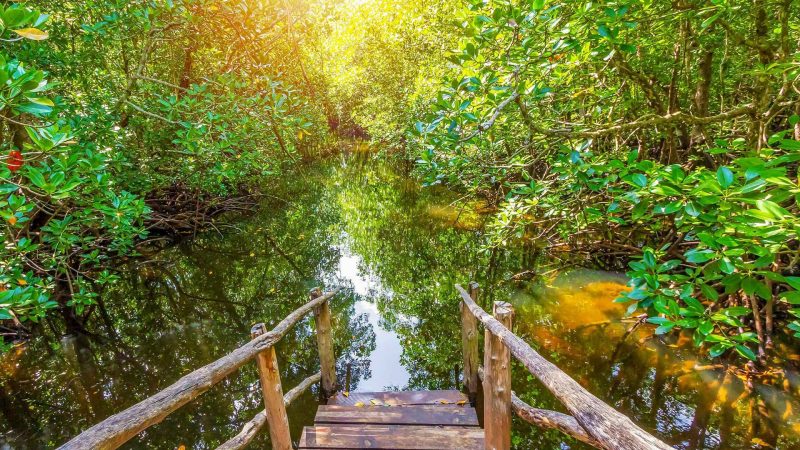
[
  {"x": 469, "y": 344},
  {"x": 327, "y": 361},
  {"x": 497, "y": 383},
  {"x": 270, "y": 379}
]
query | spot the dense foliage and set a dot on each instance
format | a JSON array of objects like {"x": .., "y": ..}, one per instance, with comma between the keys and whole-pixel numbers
[
  {"x": 652, "y": 137},
  {"x": 381, "y": 59},
  {"x": 663, "y": 131},
  {"x": 121, "y": 119}
]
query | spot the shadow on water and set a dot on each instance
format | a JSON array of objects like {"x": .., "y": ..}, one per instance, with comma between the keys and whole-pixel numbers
[{"x": 354, "y": 222}]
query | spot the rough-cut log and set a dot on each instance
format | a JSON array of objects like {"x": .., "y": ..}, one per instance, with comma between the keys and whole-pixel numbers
[
  {"x": 270, "y": 379},
  {"x": 546, "y": 418},
  {"x": 251, "y": 428},
  {"x": 469, "y": 343},
  {"x": 497, "y": 386},
  {"x": 327, "y": 360},
  {"x": 611, "y": 429},
  {"x": 119, "y": 428}
]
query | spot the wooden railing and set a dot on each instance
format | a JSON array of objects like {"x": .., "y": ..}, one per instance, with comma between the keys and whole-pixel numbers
[
  {"x": 590, "y": 420},
  {"x": 121, "y": 427}
]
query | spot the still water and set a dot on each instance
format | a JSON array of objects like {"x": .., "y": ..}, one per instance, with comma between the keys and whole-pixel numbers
[{"x": 398, "y": 250}]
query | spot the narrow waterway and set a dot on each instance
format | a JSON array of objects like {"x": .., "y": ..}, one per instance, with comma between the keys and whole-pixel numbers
[{"x": 397, "y": 249}]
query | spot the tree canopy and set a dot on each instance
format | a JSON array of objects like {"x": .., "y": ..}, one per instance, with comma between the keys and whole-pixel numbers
[{"x": 660, "y": 133}]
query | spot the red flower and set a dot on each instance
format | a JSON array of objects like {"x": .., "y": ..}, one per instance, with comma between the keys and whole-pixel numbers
[{"x": 14, "y": 161}]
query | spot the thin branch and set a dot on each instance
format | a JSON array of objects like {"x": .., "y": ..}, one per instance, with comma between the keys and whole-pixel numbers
[
  {"x": 489, "y": 123},
  {"x": 678, "y": 116},
  {"x": 148, "y": 113},
  {"x": 156, "y": 80}
]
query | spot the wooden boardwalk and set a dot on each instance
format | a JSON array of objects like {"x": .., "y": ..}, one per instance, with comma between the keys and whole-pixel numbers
[
  {"x": 440, "y": 420},
  {"x": 431, "y": 420}
]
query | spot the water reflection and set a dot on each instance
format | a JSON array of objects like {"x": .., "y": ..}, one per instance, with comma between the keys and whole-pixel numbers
[
  {"x": 690, "y": 402},
  {"x": 360, "y": 224},
  {"x": 386, "y": 372}
]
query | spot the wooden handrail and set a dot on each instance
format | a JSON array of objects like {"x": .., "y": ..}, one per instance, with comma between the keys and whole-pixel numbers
[
  {"x": 610, "y": 428},
  {"x": 121, "y": 427},
  {"x": 546, "y": 418},
  {"x": 251, "y": 428}
]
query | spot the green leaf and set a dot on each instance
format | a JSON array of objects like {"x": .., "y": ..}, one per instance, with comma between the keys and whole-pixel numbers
[
  {"x": 694, "y": 305},
  {"x": 663, "y": 329},
  {"x": 736, "y": 311},
  {"x": 33, "y": 108},
  {"x": 772, "y": 209},
  {"x": 793, "y": 282},
  {"x": 36, "y": 177},
  {"x": 752, "y": 286},
  {"x": 792, "y": 297},
  {"x": 724, "y": 177},
  {"x": 692, "y": 209},
  {"x": 745, "y": 351},
  {"x": 696, "y": 256},
  {"x": 726, "y": 265},
  {"x": 709, "y": 292},
  {"x": 658, "y": 320},
  {"x": 717, "y": 350}
]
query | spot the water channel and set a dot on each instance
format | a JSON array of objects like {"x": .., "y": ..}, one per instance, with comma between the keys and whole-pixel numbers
[{"x": 397, "y": 249}]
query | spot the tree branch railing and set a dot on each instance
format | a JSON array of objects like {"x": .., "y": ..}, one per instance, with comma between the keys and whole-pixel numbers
[
  {"x": 250, "y": 429},
  {"x": 590, "y": 420},
  {"x": 116, "y": 430}
]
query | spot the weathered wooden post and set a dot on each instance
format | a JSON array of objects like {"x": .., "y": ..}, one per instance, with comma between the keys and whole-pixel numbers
[
  {"x": 497, "y": 383},
  {"x": 327, "y": 361},
  {"x": 469, "y": 343},
  {"x": 270, "y": 379}
]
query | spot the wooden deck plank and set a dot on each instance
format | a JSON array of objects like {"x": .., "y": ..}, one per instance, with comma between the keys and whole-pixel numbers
[
  {"x": 391, "y": 437},
  {"x": 453, "y": 415},
  {"x": 399, "y": 398}
]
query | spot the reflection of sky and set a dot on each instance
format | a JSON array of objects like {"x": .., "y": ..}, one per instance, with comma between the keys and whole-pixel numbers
[{"x": 385, "y": 359}]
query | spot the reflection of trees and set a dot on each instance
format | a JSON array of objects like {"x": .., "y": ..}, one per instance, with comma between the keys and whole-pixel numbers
[
  {"x": 195, "y": 302},
  {"x": 418, "y": 258},
  {"x": 190, "y": 305},
  {"x": 657, "y": 382}
]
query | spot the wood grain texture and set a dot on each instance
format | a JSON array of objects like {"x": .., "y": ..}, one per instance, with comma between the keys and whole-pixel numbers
[
  {"x": 270, "y": 378},
  {"x": 391, "y": 437},
  {"x": 469, "y": 344},
  {"x": 121, "y": 427},
  {"x": 327, "y": 360},
  {"x": 497, "y": 383},
  {"x": 399, "y": 398},
  {"x": 610, "y": 428},
  {"x": 450, "y": 415},
  {"x": 251, "y": 428},
  {"x": 546, "y": 418}
]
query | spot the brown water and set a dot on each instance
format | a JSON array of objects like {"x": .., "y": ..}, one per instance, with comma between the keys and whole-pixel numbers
[
  {"x": 661, "y": 383},
  {"x": 357, "y": 223}
]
